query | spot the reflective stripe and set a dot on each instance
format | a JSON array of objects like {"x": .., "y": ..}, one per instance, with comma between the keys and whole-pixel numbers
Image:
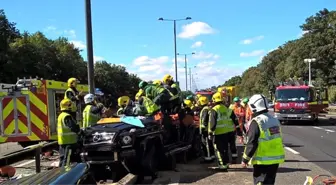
[
  {"x": 224, "y": 123},
  {"x": 64, "y": 133},
  {"x": 269, "y": 158}
]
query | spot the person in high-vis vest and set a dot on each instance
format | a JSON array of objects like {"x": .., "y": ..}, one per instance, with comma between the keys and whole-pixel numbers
[
  {"x": 125, "y": 106},
  {"x": 139, "y": 94},
  {"x": 73, "y": 94},
  {"x": 157, "y": 82},
  {"x": 67, "y": 133},
  {"x": 264, "y": 147},
  {"x": 222, "y": 124},
  {"x": 92, "y": 111},
  {"x": 176, "y": 92},
  {"x": 146, "y": 107},
  {"x": 207, "y": 148}
]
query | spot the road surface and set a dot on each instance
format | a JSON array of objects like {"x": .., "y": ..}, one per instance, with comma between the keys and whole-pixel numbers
[{"x": 7, "y": 148}]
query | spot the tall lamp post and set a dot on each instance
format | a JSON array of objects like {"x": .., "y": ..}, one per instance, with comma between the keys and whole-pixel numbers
[
  {"x": 89, "y": 45},
  {"x": 309, "y": 61},
  {"x": 186, "y": 66},
  {"x": 175, "y": 49}
]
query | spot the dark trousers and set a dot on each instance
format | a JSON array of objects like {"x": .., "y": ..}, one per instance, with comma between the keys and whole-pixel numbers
[
  {"x": 265, "y": 174},
  {"x": 232, "y": 143},
  {"x": 207, "y": 146},
  {"x": 67, "y": 151},
  {"x": 221, "y": 146}
]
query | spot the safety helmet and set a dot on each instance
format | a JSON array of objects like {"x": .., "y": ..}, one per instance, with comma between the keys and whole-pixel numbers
[
  {"x": 142, "y": 84},
  {"x": 245, "y": 100},
  {"x": 236, "y": 99},
  {"x": 157, "y": 82},
  {"x": 258, "y": 103},
  {"x": 72, "y": 82},
  {"x": 89, "y": 98},
  {"x": 139, "y": 94},
  {"x": 123, "y": 101},
  {"x": 66, "y": 104},
  {"x": 188, "y": 103},
  {"x": 217, "y": 97},
  {"x": 203, "y": 100},
  {"x": 190, "y": 97},
  {"x": 167, "y": 78}
]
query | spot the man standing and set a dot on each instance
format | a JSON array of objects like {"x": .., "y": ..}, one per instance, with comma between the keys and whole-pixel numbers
[
  {"x": 67, "y": 131},
  {"x": 92, "y": 111},
  {"x": 222, "y": 124},
  {"x": 264, "y": 146},
  {"x": 73, "y": 94}
]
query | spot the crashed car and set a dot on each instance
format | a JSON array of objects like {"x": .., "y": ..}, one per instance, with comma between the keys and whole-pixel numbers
[{"x": 138, "y": 145}]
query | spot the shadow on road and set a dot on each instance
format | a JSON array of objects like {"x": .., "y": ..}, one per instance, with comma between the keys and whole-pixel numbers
[
  {"x": 321, "y": 122},
  {"x": 317, "y": 161},
  {"x": 292, "y": 146},
  {"x": 290, "y": 170}
]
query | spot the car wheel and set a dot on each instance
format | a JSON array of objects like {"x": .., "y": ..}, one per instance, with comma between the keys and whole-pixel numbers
[
  {"x": 151, "y": 162},
  {"x": 196, "y": 145}
]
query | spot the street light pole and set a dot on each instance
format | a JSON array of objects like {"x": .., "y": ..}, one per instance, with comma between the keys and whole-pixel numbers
[
  {"x": 190, "y": 77},
  {"x": 186, "y": 67},
  {"x": 309, "y": 61},
  {"x": 175, "y": 47},
  {"x": 89, "y": 46}
]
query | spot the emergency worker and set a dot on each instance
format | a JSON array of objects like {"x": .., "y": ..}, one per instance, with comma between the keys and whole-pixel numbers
[
  {"x": 125, "y": 106},
  {"x": 239, "y": 112},
  {"x": 236, "y": 103},
  {"x": 208, "y": 150},
  {"x": 67, "y": 131},
  {"x": 222, "y": 123},
  {"x": 173, "y": 86},
  {"x": 73, "y": 94},
  {"x": 146, "y": 107},
  {"x": 159, "y": 95},
  {"x": 92, "y": 111},
  {"x": 188, "y": 107},
  {"x": 264, "y": 147},
  {"x": 157, "y": 82},
  {"x": 139, "y": 94}
]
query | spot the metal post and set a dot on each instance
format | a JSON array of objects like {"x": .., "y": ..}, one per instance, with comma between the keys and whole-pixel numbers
[
  {"x": 89, "y": 45},
  {"x": 38, "y": 159},
  {"x": 309, "y": 66},
  {"x": 175, "y": 51},
  {"x": 186, "y": 71},
  {"x": 190, "y": 78}
]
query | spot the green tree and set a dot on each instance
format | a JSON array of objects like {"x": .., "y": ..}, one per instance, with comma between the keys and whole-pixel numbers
[{"x": 236, "y": 80}]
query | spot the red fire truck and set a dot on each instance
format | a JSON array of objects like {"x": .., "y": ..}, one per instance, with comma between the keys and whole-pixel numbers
[
  {"x": 207, "y": 93},
  {"x": 299, "y": 102}
]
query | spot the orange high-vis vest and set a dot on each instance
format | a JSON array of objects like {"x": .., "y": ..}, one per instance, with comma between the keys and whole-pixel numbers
[{"x": 240, "y": 114}]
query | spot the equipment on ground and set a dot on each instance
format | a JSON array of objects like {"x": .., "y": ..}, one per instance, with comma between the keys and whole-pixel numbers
[
  {"x": 327, "y": 181},
  {"x": 296, "y": 100},
  {"x": 29, "y": 110}
]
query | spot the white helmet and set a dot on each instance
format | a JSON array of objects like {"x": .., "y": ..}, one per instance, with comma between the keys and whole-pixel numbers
[
  {"x": 258, "y": 103},
  {"x": 89, "y": 98}
]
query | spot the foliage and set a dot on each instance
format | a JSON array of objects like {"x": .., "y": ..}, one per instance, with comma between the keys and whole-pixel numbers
[
  {"x": 31, "y": 55},
  {"x": 287, "y": 61},
  {"x": 236, "y": 80},
  {"x": 332, "y": 94}
]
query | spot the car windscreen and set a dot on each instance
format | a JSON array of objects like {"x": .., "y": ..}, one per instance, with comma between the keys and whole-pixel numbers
[{"x": 292, "y": 95}]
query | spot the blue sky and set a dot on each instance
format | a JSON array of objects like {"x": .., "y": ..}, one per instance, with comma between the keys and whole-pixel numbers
[{"x": 227, "y": 36}]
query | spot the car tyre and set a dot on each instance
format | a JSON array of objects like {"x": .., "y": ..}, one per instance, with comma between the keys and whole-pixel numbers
[{"x": 151, "y": 161}]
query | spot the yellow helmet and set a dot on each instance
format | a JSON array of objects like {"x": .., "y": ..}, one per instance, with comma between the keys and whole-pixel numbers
[
  {"x": 188, "y": 103},
  {"x": 157, "y": 82},
  {"x": 72, "y": 82},
  {"x": 203, "y": 100},
  {"x": 167, "y": 78},
  {"x": 123, "y": 101},
  {"x": 139, "y": 94},
  {"x": 217, "y": 97},
  {"x": 66, "y": 104}
]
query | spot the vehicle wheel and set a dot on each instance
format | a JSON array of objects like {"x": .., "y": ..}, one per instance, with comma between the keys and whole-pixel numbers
[
  {"x": 150, "y": 161},
  {"x": 195, "y": 150}
]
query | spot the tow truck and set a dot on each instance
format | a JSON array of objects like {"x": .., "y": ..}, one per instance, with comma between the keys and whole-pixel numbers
[{"x": 295, "y": 101}]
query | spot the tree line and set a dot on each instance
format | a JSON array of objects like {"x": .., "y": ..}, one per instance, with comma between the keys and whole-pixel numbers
[
  {"x": 287, "y": 61},
  {"x": 32, "y": 54}
]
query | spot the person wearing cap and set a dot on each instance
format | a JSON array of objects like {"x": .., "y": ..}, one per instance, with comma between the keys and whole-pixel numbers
[
  {"x": 125, "y": 106},
  {"x": 92, "y": 111},
  {"x": 73, "y": 94}
]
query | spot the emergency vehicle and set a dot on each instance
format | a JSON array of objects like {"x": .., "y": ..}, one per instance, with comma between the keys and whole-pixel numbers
[
  {"x": 297, "y": 101},
  {"x": 29, "y": 110},
  {"x": 207, "y": 93},
  {"x": 228, "y": 92}
]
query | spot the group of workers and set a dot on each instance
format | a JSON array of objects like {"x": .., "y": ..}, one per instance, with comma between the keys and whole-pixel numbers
[{"x": 219, "y": 125}]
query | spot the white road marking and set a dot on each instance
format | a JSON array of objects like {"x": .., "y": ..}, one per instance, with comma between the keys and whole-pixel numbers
[
  {"x": 291, "y": 150},
  {"x": 318, "y": 128},
  {"x": 24, "y": 164},
  {"x": 329, "y": 130}
]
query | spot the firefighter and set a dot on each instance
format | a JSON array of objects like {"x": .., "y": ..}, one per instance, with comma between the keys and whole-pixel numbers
[
  {"x": 125, "y": 106},
  {"x": 139, "y": 94},
  {"x": 222, "y": 123},
  {"x": 264, "y": 146},
  {"x": 157, "y": 82},
  {"x": 92, "y": 111},
  {"x": 175, "y": 90},
  {"x": 73, "y": 94},
  {"x": 67, "y": 131},
  {"x": 188, "y": 107},
  {"x": 236, "y": 103},
  {"x": 146, "y": 107},
  {"x": 208, "y": 151}
]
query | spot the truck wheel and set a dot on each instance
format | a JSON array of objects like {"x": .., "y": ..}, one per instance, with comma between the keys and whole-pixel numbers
[{"x": 151, "y": 162}]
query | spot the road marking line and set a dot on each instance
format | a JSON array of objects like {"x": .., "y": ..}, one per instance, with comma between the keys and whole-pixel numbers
[
  {"x": 24, "y": 164},
  {"x": 329, "y": 130},
  {"x": 318, "y": 128},
  {"x": 291, "y": 150}
]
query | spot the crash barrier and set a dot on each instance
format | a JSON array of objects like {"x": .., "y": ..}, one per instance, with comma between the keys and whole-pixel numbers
[{"x": 25, "y": 153}]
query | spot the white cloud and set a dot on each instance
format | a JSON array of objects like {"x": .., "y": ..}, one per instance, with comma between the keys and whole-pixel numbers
[
  {"x": 145, "y": 60},
  {"x": 197, "y": 44},
  {"x": 195, "y": 29},
  {"x": 302, "y": 33},
  {"x": 205, "y": 64},
  {"x": 251, "y": 40},
  {"x": 64, "y": 33},
  {"x": 78, "y": 44},
  {"x": 201, "y": 55},
  {"x": 253, "y": 53},
  {"x": 70, "y": 33},
  {"x": 98, "y": 58}
]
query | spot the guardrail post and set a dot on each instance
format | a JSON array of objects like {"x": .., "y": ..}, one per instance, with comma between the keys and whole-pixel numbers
[{"x": 38, "y": 159}]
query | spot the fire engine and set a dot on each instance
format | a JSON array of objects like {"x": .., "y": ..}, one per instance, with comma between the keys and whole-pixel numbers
[
  {"x": 29, "y": 110},
  {"x": 207, "y": 93},
  {"x": 228, "y": 92},
  {"x": 297, "y": 101}
]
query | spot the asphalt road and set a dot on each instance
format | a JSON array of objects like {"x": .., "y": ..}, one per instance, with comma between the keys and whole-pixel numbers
[{"x": 7, "y": 148}]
